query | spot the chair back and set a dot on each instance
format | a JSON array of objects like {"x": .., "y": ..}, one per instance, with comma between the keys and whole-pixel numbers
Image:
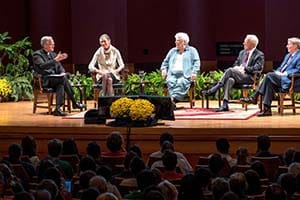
[{"x": 271, "y": 165}]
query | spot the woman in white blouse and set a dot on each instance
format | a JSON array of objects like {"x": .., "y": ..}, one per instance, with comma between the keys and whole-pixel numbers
[{"x": 107, "y": 64}]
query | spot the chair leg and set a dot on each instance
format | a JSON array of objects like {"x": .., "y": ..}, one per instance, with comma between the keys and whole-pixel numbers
[
  {"x": 245, "y": 93},
  {"x": 96, "y": 96},
  {"x": 293, "y": 103},
  {"x": 35, "y": 95},
  {"x": 50, "y": 102},
  {"x": 281, "y": 101}
]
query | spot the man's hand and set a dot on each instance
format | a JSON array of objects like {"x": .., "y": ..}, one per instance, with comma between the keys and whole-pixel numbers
[
  {"x": 193, "y": 77},
  {"x": 164, "y": 73},
  {"x": 61, "y": 56}
]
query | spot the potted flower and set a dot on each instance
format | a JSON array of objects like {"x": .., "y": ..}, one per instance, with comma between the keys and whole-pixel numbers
[{"x": 5, "y": 89}]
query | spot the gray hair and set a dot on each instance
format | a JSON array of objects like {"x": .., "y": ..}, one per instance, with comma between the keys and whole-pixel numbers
[
  {"x": 45, "y": 39},
  {"x": 183, "y": 36},
  {"x": 295, "y": 41},
  {"x": 106, "y": 36},
  {"x": 253, "y": 38}
]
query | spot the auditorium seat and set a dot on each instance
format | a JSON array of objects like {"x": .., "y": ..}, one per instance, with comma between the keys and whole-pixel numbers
[{"x": 271, "y": 165}]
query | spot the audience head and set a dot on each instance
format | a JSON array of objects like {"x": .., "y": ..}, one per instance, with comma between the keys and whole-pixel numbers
[
  {"x": 219, "y": 187},
  {"x": 223, "y": 145},
  {"x": 154, "y": 195},
  {"x": 253, "y": 180},
  {"x": 135, "y": 148},
  {"x": 230, "y": 196},
  {"x": 215, "y": 164},
  {"x": 69, "y": 147},
  {"x": 189, "y": 189},
  {"x": 145, "y": 179},
  {"x": 104, "y": 171},
  {"x": 263, "y": 143},
  {"x": 288, "y": 155},
  {"x": 14, "y": 151},
  {"x": 166, "y": 136},
  {"x": 137, "y": 165},
  {"x": 98, "y": 182},
  {"x": 167, "y": 146},
  {"x": 54, "y": 174},
  {"x": 49, "y": 185},
  {"x": 42, "y": 194},
  {"x": 169, "y": 160},
  {"x": 242, "y": 155},
  {"x": 275, "y": 192},
  {"x": 107, "y": 196},
  {"x": 238, "y": 184},
  {"x": 203, "y": 177},
  {"x": 29, "y": 146},
  {"x": 168, "y": 190},
  {"x": 54, "y": 147},
  {"x": 128, "y": 158},
  {"x": 43, "y": 166},
  {"x": 288, "y": 182},
  {"x": 23, "y": 196},
  {"x": 93, "y": 150},
  {"x": 114, "y": 141},
  {"x": 296, "y": 156},
  {"x": 90, "y": 194},
  {"x": 84, "y": 178},
  {"x": 87, "y": 163},
  {"x": 259, "y": 167},
  {"x": 294, "y": 168}
]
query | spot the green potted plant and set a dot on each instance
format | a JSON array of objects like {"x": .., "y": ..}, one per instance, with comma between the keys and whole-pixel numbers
[{"x": 14, "y": 66}]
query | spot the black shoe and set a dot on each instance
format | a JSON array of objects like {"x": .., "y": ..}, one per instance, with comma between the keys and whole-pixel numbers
[
  {"x": 249, "y": 100},
  {"x": 208, "y": 93},
  {"x": 78, "y": 105},
  {"x": 222, "y": 109},
  {"x": 173, "y": 105},
  {"x": 264, "y": 113},
  {"x": 58, "y": 112}
]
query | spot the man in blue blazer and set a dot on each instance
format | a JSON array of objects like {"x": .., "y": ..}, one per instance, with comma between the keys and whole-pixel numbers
[
  {"x": 278, "y": 79},
  {"x": 249, "y": 61}
]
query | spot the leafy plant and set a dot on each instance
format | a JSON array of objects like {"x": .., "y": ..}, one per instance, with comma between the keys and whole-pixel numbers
[
  {"x": 82, "y": 79},
  {"x": 130, "y": 87},
  {"x": 14, "y": 66}
]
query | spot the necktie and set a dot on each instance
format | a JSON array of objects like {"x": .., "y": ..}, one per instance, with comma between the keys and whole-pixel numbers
[
  {"x": 286, "y": 64},
  {"x": 245, "y": 60}
]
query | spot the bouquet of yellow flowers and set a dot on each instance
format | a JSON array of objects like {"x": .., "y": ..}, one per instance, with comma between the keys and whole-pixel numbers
[
  {"x": 5, "y": 88},
  {"x": 139, "y": 110}
]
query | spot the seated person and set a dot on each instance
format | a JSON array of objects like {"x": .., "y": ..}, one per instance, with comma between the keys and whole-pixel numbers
[
  {"x": 278, "y": 79},
  {"x": 249, "y": 61},
  {"x": 180, "y": 67},
  {"x": 47, "y": 63},
  {"x": 169, "y": 160},
  {"x": 110, "y": 63},
  {"x": 114, "y": 144}
]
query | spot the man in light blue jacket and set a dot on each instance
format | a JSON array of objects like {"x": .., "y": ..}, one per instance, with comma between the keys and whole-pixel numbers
[{"x": 180, "y": 67}]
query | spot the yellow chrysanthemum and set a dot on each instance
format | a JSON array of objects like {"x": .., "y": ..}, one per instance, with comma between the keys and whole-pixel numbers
[
  {"x": 5, "y": 88},
  {"x": 141, "y": 109},
  {"x": 120, "y": 107}
]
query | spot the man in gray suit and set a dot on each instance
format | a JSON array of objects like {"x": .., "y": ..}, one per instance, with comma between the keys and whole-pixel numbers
[
  {"x": 249, "y": 61},
  {"x": 279, "y": 79},
  {"x": 47, "y": 63}
]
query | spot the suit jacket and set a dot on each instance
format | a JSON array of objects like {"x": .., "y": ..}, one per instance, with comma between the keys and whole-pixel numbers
[
  {"x": 255, "y": 64},
  {"x": 45, "y": 64},
  {"x": 292, "y": 67}
]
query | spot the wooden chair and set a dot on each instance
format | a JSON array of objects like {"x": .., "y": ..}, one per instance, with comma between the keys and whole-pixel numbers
[
  {"x": 119, "y": 88},
  {"x": 247, "y": 87},
  {"x": 271, "y": 165},
  {"x": 289, "y": 95},
  {"x": 43, "y": 96},
  {"x": 191, "y": 93}
]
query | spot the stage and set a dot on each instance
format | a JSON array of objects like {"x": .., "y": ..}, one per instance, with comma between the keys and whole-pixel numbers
[{"x": 192, "y": 137}]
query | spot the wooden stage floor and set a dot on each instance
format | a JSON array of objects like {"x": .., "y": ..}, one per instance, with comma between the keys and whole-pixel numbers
[{"x": 193, "y": 137}]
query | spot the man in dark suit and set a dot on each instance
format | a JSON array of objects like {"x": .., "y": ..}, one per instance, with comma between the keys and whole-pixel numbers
[
  {"x": 279, "y": 79},
  {"x": 47, "y": 63},
  {"x": 249, "y": 61}
]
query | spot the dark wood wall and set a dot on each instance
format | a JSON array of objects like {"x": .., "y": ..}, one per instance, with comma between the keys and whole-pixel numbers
[{"x": 144, "y": 30}]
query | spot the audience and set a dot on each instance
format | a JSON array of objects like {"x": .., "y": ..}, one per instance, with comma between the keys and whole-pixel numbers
[{"x": 29, "y": 149}]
